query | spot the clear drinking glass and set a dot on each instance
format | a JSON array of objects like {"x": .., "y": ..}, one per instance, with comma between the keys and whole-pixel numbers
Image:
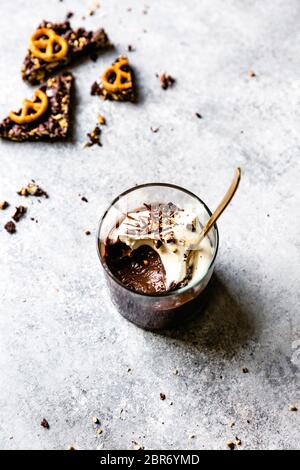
[{"x": 159, "y": 310}]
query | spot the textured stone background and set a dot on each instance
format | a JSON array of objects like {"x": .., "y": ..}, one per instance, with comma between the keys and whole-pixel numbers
[{"x": 64, "y": 350}]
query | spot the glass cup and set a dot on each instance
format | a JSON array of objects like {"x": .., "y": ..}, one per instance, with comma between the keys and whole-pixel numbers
[{"x": 159, "y": 310}]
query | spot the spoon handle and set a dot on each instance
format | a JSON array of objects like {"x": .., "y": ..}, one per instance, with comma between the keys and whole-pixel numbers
[{"x": 223, "y": 204}]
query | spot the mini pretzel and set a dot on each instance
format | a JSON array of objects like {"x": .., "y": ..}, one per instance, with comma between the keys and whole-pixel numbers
[
  {"x": 42, "y": 44},
  {"x": 31, "y": 110},
  {"x": 123, "y": 79}
]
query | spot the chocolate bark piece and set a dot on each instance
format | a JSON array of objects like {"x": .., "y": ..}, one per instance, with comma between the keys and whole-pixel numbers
[
  {"x": 54, "y": 123},
  {"x": 79, "y": 42},
  {"x": 116, "y": 83}
]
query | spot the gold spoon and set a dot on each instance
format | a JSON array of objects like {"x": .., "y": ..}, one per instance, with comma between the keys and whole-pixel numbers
[{"x": 222, "y": 206}]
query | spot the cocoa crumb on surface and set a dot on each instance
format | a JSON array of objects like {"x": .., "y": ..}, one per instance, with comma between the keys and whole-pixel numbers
[
  {"x": 293, "y": 408},
  {"x": 84, "y": 199},
  {"x": 130, "y": 48},
  {"x": 166, "y": 81},
  {"x": 198, "y": 115},
  {"x": 137, "y": 446},
  {"x": 19, "y": 213},
  {"x": 33, "y": 189},
  {"x": 101, "y": 120},
  {"x": 230, "y": 444},
  {"x": 94, "y": 138},
  {"x": 95, "y": 6},
  {"x": 87, "y": 232},
  {"x": 3, "y": 205},
  {"x": 69, "y": 15},
  {"x": 251, "y": 73},
  {"x": 238, "y": 441},
  {"x": 95, "y": 89},
  {"x": 10, "y": 227},
  {"x": 245, "y": 370},
  {"x": 154, "y": 129},
  {"x": 162, "y": 396},
  {"x": 45, "y": 424}
]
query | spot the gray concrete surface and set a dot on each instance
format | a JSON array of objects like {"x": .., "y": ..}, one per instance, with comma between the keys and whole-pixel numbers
[{"x": 64, "y": 350}]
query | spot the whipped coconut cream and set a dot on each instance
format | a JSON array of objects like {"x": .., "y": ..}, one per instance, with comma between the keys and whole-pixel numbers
[{"x": 174, "y": 234}]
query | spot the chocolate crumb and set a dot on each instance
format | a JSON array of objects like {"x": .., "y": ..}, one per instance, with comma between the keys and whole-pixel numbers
[
  {"x": 166, "y": 81},
  {"x": 45, "y": 424},
  {"x": 130, "y": 48},
  {"x": 101, "y": 120},
  {"x": 71, "y": 448},
  {"x": 238, "y": 441},
  {"x": 293, "y": 408},
  {"x": 154, "y": 129},
  {"x": 94, "y": 137},
  {"x": 251, "y": 74},
  {"x": 32, "y": 189},
  {"x": 19, "y": 213},
  {"x": 245, "y": 370},
  {"x": 87, "y": 232},
  {"x": 10, "y": 227},
  {"x": 95, "y": 420},
  {"x": 84, "y": 199},
  {"x": 137, "y": 446},
  {"x": 162, "y": 396},
  {"x": 95, "y": 89},
  {"x": 69, "y": 15},
  {"x": 95, "y": 6},
  {"x": 198, "y": 115},
  {"x": 3, "y": 205},
  {"x": 231, "y": 445}
]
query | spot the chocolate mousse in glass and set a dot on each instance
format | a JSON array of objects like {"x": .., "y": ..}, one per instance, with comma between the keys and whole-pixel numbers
[{"x": 148, "y": 244}]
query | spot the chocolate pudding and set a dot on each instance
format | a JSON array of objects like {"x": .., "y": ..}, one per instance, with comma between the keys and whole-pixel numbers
[
  {"x": 156, "y": 267},
  {"x": 140, "y": 270},
  {"x": 155, "y": 249}
]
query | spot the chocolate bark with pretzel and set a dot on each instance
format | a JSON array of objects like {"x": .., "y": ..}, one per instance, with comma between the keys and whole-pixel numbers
[
  {"x": 54, "y": 45},
  {"x": 46, "y": 116},
  {"x": 116, "y": 82}
]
